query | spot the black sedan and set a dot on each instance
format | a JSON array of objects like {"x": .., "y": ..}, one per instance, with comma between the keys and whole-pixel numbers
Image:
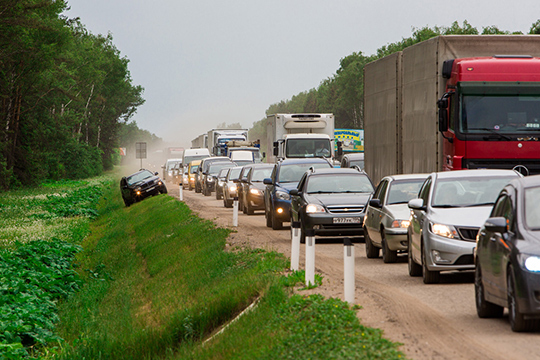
[
  {"x": 331, "y": 201},
  {"x": 508, "y": 257},
  {"x": 140, "y": 185}
]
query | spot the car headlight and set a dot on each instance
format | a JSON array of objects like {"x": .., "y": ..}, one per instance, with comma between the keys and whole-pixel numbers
[
  {"x": 400, "y": 223},
  {"x": 283, "y": 195},
  {"x": 209, "y": 179},
  {"x": 447, "y": 231},
  {"x": 232, "y": 188},
  {"x": 255, "y": 191},
  {"x": 530, "y": 262},
  {"x": 314, "y": 208}
]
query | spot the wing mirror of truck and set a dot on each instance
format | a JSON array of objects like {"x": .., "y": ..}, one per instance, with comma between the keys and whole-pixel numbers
[
  {"x": 442, "y": 104},
  {"x": 276, "y": 149}
]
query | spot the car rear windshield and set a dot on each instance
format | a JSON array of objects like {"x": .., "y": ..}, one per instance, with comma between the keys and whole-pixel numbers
[
  {"x": 401, "y": 191},
  {"x": 465, "y": 192},
  {"x": 293, "y": 172},
  {"x": 353, "y": 183}
]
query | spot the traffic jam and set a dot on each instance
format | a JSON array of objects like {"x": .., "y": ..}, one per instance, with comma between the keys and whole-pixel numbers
[{"x": 449, "y": 183}]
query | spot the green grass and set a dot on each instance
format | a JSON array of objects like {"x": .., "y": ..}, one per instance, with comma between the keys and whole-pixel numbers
[{"x": 153, "y": 281}]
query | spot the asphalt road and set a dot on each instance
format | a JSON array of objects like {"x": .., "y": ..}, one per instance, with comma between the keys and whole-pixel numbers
[{"x": 431, "y": 321}]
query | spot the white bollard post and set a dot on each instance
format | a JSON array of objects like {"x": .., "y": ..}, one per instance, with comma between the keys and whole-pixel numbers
[
  {"x": 235, "y": 212},
  {"x": 295, "y": 246},
  {"x": 181, "y": 192},
  {"x": 310, "y": 257},
  {"x": 348, "y": 278}
]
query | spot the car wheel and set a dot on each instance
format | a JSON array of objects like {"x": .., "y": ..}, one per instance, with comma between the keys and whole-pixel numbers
[
  {"x": 163, "y": 189},
  {"x": 249, "y": 209},
  {"x": 224, "y": 202},
  {"x": 127, "y": 202},
  {"x": 389, "y": 256},
  {"x": 414, "y": 268},
  {"x": 484, "y": 308},
  {"x": 518, "y": 323},
  {"x": 268, "y": 217},
  {"x": 276, "y": 224},
  {"x": 430, "y": 277},
  {"x": 197, "y": 188},
  {"x": 206, "y": 192},
  {"x": 217, "y": 195},
  {"x": 372, "y": 252}
]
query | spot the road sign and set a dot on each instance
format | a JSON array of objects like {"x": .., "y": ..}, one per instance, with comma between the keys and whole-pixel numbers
[{"x": 140, "y": 150}]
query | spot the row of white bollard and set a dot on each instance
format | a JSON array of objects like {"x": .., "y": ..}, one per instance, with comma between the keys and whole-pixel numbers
[{"x": 348, "y": 260}]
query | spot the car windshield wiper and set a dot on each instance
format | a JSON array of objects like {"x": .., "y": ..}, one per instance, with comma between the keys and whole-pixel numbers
[
  {"x": 494, "y": 132},
  {"x": 481, "y": 204},
  {"x": 447, "y": 206},
  {"x": 321, "y": 192}
]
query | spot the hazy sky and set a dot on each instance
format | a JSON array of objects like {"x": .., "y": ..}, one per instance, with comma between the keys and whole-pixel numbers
[{"x": 206, "y": 62}]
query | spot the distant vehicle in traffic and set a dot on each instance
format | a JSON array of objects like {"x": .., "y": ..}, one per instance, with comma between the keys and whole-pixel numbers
[
  {"x": 140, "y": 185},
  {"x": 210, "y": 175},
  {"x": 203, "y": 167},
  {"x": 331, "y": 201},
  {"x": 192, "y": 170},
  {"x": 445, "y": 219},
  {"x": 285, "y": 176},
  {"x": 230, "y": 188},
  {"x": 220, "y": 182},
  {"x": 351, "y": 159},
  {"x": 508, "y": 256},
  {"x": 194, "y": 154},
  {"x": 168, "y": 168},
  {"x": 253, "y": 187},
  {"x": 387, "y": 216}
]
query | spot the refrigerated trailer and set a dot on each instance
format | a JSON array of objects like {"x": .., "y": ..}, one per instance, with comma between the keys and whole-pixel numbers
[{"x": 454, "y": 102}]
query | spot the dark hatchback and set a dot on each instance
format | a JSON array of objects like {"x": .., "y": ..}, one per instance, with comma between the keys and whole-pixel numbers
[
  {"x": 332, "y": 201},
  {"x": 508, "y": 256},
  {"x": 253, "y": 187},
  {"x": 140, "y": 185},
  {"x": 285, "y": 176}
]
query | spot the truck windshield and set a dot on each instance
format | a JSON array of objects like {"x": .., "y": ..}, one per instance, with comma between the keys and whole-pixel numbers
[
  {"x": 302, "y": 148},
  {"x": 500, "y": 108}
]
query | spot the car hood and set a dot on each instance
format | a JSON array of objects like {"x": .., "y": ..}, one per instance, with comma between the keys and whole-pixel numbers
[
  {"x": 257, "y": 185},
  {"x": 398, "y": 211},
  {"x": 465, "y": 216},
  {"x": 149, "y": 180},
  {"x": 339, "y": 199}
]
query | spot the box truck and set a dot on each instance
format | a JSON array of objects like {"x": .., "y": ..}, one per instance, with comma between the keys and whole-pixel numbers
[
  {"x": 218, "y": 139},
  {"x": 454, "y": 102}
]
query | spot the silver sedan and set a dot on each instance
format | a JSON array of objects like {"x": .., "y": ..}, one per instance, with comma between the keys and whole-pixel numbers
[
  {"x": 387, "y": 215},
  {"x": 446, "y": 217}
]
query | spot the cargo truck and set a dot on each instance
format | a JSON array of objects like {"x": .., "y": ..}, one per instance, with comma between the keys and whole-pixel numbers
[
  {"x": 454, "y": 102},
  {"x": 200, "y": 142},
  {"x": 299, "y": 135},
  {"x": 218, "y": 138}
]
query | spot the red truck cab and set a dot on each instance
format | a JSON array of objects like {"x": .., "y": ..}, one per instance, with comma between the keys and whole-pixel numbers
[{"x": 489, "y": 115}]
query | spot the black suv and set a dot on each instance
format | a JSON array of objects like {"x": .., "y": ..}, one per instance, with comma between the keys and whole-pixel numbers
[
  {"x": 331, "y": 201},
  {"x": 140, "y": 185}
]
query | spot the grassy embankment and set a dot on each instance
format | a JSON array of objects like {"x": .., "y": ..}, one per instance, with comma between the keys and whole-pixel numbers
[{"x": 153, "y": 281}]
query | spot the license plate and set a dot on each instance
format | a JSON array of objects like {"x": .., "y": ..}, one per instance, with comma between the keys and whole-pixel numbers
[{"x": 346, "y": 220}]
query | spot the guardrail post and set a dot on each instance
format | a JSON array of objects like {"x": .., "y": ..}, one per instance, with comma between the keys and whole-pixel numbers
[
  {"x": 295, "y": 246},
  {"x": 310, "y": 257},
  {"x": 235, "y": 212},
  {"x": 181, "y": 196},
  {"x": 348, "y": 278}
]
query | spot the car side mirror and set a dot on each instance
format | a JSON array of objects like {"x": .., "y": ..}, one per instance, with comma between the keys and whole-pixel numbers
[
  {"x": 376, "y": 203},
  {"x": 267, "y": 181},
  {"x": 496, "y": 225},
  {"x": 417, "y": 204},
  {"x": 294, "y": 192}
]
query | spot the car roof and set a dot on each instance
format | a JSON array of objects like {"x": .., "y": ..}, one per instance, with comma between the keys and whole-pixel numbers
[
  {"x": 337, "y": 171},
  {"x": 406, "y": 176},
  {"x": 527, "y": 181},
  {"x": 354, "y": 156},
  {"x": 457, "y": 174}
]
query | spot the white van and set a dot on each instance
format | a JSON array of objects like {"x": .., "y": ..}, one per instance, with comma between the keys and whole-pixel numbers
[{"x": 194, "y": 154}]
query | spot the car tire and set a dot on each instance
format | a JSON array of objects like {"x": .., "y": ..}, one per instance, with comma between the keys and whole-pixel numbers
[
  {"x": 414, "y": 268},
  {"x": 484, "y": 309},
  {"x": 127, "y": 202},
  {"x": 429, "y": 277},
  {"x": 268, "y": 217},
  {"x": 276, "y": 224},
  {"x": 518, "y": 323},
  {"x": 197, "y": 188},
  {"x": 206, "y": 192},
  {"x": 218, "y": 197},
  {"x": 249, "y": 210},
  {"x": 372, "y": 252},
  {"x": 163, "y": 189},
  {"x": 389, "y": 256}
]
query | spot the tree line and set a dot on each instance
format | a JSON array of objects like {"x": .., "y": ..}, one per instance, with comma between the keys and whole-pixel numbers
[
  {"x": 343, "y": 93},
  {"x": 65, "y": 95}
]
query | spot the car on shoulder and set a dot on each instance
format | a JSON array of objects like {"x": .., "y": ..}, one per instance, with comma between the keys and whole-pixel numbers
[
  {"x": 253, "y": 187},
  {"x": 507, "y": 256},
  {"x": 192, "y": 170},
  {"x": 332, "y": 201},
  {"x": 141, "y": 185},
  {"x": 352, "y": 159},
  {"x": 230, "y": 188},
  {"x": 203, "y": 166},
  {"x": 285, "y": 176},
  {"x": 445, "y": 219},
  {"x": 387, "y": 215},
  {"x": 209, "y": 178}
]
